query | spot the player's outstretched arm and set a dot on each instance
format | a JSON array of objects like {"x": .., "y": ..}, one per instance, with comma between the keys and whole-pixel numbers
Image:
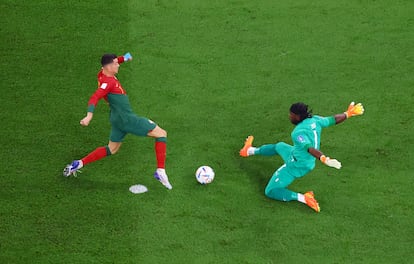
[
  {"x": 353, "y": 110},
  {"x": 325, "y": 160}
]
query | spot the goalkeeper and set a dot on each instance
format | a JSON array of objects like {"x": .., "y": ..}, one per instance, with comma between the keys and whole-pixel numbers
[{"x": 300, "y": 158}]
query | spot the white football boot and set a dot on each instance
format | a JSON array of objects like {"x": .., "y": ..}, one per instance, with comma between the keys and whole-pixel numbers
[
  {"x": 73, "y": 168},
  {"x": 161, "y": 176}
]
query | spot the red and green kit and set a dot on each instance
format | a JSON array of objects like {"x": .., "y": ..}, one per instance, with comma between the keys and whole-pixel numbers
[{"x": 122, "y": 118}]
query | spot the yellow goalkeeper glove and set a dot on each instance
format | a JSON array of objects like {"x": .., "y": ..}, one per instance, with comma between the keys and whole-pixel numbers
[
  {"x": 330, "y": 162},
  {"x": 354, "y": 110}
]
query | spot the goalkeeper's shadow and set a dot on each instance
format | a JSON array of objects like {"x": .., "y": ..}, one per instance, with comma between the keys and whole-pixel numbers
[{"x": 259, "y": 171}]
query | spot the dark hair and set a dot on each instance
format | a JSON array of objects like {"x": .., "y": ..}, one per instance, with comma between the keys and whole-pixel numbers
[
  {"x": 107, "y": 59},
  {"x": 302, "y": 110}
]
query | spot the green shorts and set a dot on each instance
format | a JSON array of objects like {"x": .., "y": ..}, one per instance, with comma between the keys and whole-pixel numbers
[
  {"x": 293, "y": 167},
  {"x": 281, "y": 178},
  {"x": 139, "y": 126}
]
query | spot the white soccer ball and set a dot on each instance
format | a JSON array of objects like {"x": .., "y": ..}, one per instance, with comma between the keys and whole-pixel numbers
[{"x": 205, "y": 175}]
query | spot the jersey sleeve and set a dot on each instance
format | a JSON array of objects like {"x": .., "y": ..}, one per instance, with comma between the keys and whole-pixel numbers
[
  {"x": 301, "y": 139},
  {"x": 326, "y": 121},
  {"x": 121, "y": 59},
  {"x": 101, "y": 92}
]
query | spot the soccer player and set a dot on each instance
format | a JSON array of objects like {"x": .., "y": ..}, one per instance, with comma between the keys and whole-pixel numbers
[
  {"x": 300, "y": 158},
  {"x": 123, "y": 120}
]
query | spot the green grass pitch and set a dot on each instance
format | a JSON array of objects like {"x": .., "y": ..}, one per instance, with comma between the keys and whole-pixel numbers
[{"x": 211, "y": 73}]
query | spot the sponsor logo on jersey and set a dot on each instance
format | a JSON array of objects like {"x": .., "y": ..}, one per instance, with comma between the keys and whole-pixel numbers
[{"x": 104, "y": 85}]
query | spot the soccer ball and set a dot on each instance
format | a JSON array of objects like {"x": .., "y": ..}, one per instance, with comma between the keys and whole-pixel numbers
[{"x": 205, "y": 175}]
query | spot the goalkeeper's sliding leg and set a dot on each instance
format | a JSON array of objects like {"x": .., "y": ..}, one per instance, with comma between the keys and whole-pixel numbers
[
  {"x": 282, "y": 149},
  {"x": 276, "y": 189}
]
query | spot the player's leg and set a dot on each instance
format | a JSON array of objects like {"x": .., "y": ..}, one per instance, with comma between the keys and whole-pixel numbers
[
  {"x": 99, "y": 153},
  {"x": 160, "y": 136},
  {"x": 276, "y": 189},
  {"x": 142, "y": 126},
  {"x": 114, "y": 144},
  {"x": 281, "y": 148},
  {"x": 102, "y": 152}
]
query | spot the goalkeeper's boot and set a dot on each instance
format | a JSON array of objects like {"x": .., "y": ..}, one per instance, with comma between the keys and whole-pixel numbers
[
  {"x": 73, "y": 168},
  {"x": 311, "y": 201},
  {"x": 162, "y": 177},
  {"x": 247, "y": 144}
]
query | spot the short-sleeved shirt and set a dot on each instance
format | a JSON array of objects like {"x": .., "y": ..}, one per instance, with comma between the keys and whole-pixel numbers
[{"x": 307, "y": 134}]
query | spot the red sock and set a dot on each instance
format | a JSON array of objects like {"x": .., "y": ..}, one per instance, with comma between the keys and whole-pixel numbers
[
  {"x": 95, "y": 155},
  {"x": 161, "y": 153}
]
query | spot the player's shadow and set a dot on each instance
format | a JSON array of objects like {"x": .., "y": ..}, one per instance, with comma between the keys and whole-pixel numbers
[
  {"x": 84, "y": 183},
  {"x": 259, "y": 170}
]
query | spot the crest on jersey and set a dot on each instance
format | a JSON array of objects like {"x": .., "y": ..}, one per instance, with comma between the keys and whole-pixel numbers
[
  {"x": 104, "y": 85},
  {"x": 301, "y": 139}
]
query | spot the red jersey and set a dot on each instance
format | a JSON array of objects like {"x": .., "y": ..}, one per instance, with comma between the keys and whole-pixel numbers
[{"x": 106, "y": 85}]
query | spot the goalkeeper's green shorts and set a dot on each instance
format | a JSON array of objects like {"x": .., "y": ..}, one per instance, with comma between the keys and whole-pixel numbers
[
  {"x": 289, "y": 171},
  {"x": 284, "y": 176},
  {"x": 281, "y": 178}
]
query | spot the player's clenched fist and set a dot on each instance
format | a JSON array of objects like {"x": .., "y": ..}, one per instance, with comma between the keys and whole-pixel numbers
[
  {"x": 354, "y": 110},
  {"x": 86, "y": 120}
]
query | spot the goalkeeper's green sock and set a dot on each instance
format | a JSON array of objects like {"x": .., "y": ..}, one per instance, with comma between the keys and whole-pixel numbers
[{"x": 265, "y": 150}]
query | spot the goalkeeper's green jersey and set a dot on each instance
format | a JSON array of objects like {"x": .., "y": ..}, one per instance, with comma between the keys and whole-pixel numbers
[{"x": 307, "y": 134}]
